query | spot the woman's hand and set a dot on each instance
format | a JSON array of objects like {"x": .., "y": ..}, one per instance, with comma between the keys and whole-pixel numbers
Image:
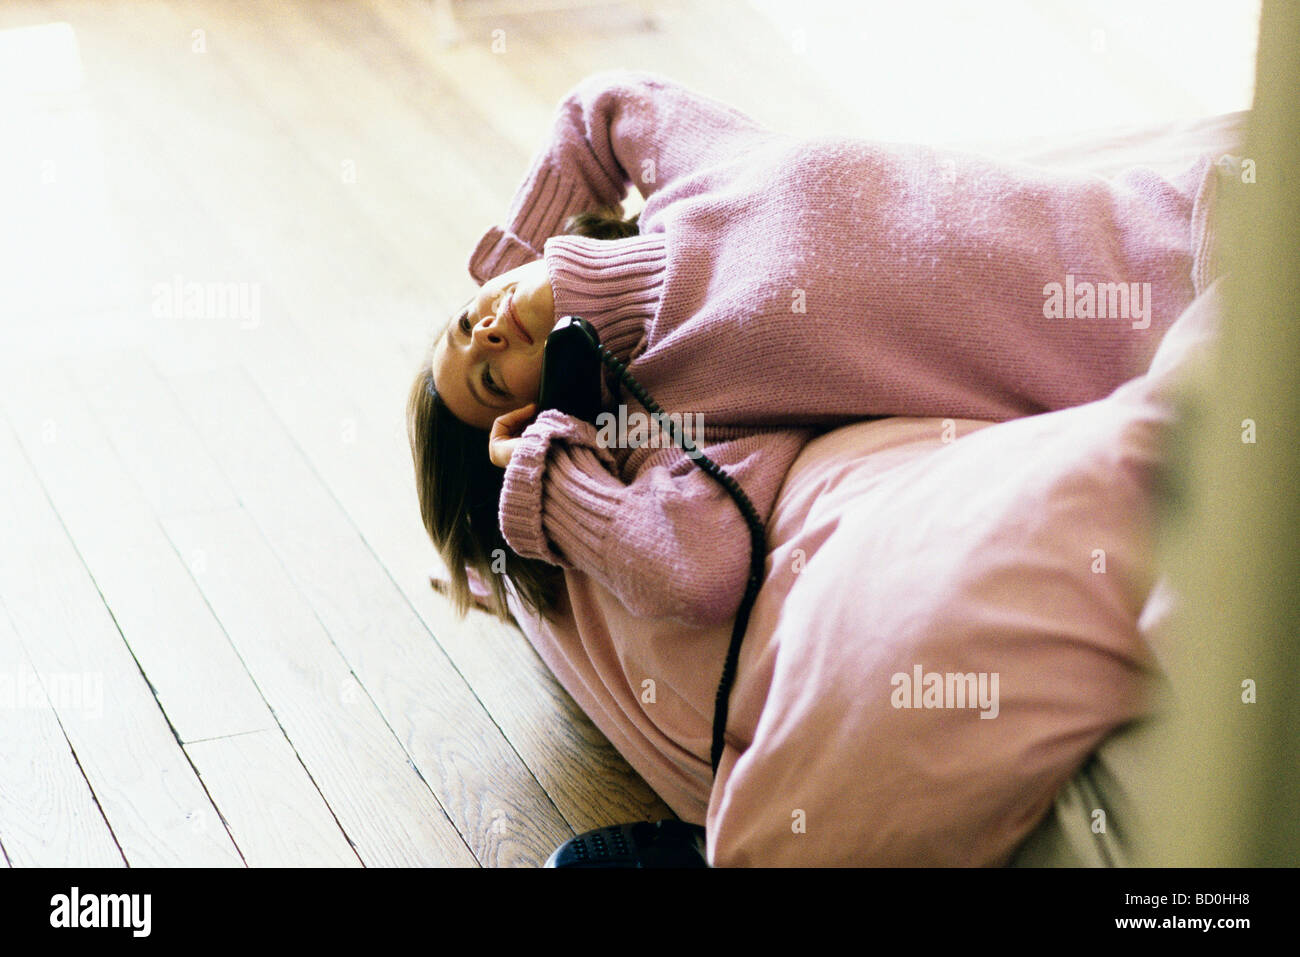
[{"x": 505, "y": 434}]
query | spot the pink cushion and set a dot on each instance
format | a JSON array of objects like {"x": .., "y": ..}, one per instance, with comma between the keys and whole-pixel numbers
[{"x": 893, "y": 548}]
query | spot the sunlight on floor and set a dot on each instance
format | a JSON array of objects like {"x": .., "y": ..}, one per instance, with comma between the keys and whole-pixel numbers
[
  {"x": 53, "y": 165},
  {"x": 949, "y": 71}
]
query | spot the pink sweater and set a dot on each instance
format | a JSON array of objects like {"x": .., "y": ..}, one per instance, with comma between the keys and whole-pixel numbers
[{"x": 784, "y": 285}]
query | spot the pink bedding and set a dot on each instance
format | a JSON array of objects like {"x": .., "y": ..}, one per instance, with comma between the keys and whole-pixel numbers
[{"x": 905, "y": 555}]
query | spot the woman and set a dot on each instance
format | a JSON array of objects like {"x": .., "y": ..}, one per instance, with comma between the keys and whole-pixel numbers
[{"x": 774, "y": 286}]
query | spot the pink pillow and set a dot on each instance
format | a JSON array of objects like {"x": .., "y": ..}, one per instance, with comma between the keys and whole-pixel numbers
[
  {"x": 1023, "y": 551},
  {"x": 1017, "y": 555}
]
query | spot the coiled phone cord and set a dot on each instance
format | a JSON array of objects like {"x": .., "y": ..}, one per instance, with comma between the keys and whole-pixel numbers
[{"x": 757, "y": 545}]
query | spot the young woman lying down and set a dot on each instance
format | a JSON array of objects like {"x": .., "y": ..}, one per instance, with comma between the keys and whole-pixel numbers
[{"x": 771, "y": 288}]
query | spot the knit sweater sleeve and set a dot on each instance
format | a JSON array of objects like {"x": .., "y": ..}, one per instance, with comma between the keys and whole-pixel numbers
[
  {"x": 668, "y": 544},
  {"x": 613, "y": 129}
]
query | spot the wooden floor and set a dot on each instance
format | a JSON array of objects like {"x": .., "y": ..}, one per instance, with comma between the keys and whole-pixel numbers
[{"x": 217, "y": 643}]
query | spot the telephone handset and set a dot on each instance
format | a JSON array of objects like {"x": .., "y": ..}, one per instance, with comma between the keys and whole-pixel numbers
[
  {"x": 571, "y": 370},
  {"x": 571, "y": 384}
]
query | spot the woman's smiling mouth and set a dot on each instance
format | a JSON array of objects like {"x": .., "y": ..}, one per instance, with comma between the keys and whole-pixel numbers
[{"x": 514, "y": 317}]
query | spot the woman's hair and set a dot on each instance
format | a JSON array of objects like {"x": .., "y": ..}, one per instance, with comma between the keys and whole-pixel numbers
[{"x": 459, "y": 488}]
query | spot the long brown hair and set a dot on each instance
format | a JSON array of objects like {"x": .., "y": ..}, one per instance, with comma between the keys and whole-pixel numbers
[{"x": 459, "y": 489}]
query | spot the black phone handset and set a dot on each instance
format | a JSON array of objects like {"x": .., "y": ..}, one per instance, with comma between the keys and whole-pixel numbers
[
  {"x": 571, "y": 370},
  {"x": 571, "y": 384}
]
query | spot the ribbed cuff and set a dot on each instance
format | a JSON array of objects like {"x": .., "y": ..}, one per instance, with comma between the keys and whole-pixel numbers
[
  {"x": 582, "y": 500},
  {"x": 543, "y": 205},
  {"x": 615, "y": 284},
  {"x": 497, "y": 252}
]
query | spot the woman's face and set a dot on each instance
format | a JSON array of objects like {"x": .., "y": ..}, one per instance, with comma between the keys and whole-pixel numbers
[{"x": 489, "y": 362}]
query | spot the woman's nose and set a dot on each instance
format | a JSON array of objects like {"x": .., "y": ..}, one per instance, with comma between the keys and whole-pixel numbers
[{"x": 487, "y": 334}]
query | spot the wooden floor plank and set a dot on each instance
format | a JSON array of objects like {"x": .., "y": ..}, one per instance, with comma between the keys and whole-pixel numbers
[
  {"x": 152, "y": 435},
  {"x": 206, "y": 676},
  {"x": 384, "y": 806},
  {"x": 273, "y": 810},
  {"x": 188, "y": 661},
  {"x": 397, "y": 153},
  {"x": 48, "y": 815},
  {"x": 147, "y": 788},
  {"x": 471, "y": 86}
]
